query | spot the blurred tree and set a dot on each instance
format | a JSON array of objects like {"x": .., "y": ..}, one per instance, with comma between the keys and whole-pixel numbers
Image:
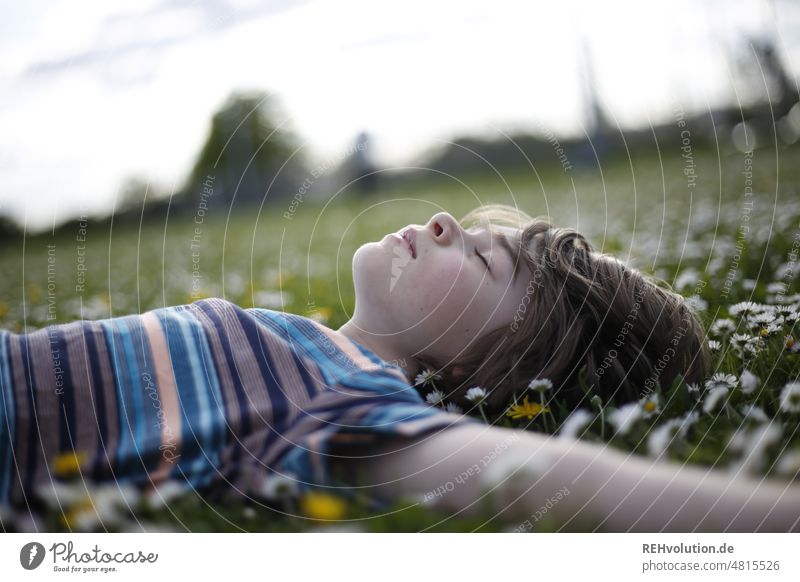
[
  {"x": 134, "y": 193},
  {"x": 246, "y": 148},
  {"x": 9, "y": 228},
  {"x": 361, "y": 167}
]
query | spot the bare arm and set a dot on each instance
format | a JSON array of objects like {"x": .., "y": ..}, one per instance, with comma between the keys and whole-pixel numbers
[{"x": 605, "y": 486}]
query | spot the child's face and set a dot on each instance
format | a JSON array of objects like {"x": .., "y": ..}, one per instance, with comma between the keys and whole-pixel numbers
[{"x": 436, "y": 304}]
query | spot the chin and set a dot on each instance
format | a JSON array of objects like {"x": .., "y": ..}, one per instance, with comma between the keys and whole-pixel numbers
[{"x": 371, "y": 271}]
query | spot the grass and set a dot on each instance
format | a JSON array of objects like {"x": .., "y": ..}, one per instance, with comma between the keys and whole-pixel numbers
[{"x": 700, "y": 232}]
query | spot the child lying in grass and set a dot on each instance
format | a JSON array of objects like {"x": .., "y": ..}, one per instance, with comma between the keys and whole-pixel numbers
[{"x": 223, "y": 398}]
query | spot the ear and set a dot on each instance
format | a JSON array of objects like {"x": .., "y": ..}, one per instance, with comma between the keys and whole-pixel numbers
[{"x": 459, "y": 372}]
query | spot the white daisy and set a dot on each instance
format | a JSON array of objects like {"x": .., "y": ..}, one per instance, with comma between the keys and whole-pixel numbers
[
  {"x": 762, "y": 318},
  {"x": 693, "y": 387},
  {"x": 165, "y": 492},
  {"x": 686, "y": 279},
  {"x": 721, "y": 379},
  {"x": 754, "y": 446},
  {"x": 753, "y": 412},
  {"x": 753, "y": 346},
  {"x": 425, "y": 377},
  {"x": 662, "y": 437},
  {"x": 790, "y": 397},
  {"x": 789, "y": 464},
  {"x": 453, "y": 407},
  {"x": 776, "y": 287},
  {"x": 650, "y": 405},
  {"x": 722, "y": 326},
  {"x": 625, "y": 417},
  {"x": 713, "y": 398},
  {"x": 476, "y": 394},
  {"x": 743, "y": 307},
  {"x": 773, "y": 328},
  {"x": 278, "y": 487},
  {"x": 687, "y": 421},
  {"x": 749, "y": 382},
  {"x": 792, "y": 317},
  {"x": 435, "y": 397},
  {"x": 740, "y": 339},
  {"x": 697, "y": 303},
  {"x": 575, "y": 423},
  {"x": 540, "y": 385},
  {"x": 714, "y": 345}
]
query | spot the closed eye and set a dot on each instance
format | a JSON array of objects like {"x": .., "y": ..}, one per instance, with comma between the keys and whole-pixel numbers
[{"x": 485, "y": 262}]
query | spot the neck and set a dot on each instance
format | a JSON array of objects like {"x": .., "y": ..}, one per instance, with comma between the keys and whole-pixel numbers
[{"x": 378, "y": 344}]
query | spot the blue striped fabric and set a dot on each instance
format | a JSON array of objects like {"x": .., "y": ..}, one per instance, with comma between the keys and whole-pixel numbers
[{"x": 207, "y": 393}]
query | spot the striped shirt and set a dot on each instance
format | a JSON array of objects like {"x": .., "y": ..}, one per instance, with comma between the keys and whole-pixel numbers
[{"x": 209, "y": 394}]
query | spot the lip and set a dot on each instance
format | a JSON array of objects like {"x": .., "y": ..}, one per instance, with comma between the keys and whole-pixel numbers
[{"x": 409, "y": 235}]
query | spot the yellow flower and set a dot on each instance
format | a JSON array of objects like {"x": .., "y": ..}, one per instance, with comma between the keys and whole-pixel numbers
[
  {"x": 69, "y": 463},
  {"x": 34, "y": 292},
  {"x": 649, "y": 406},
  {"x": 529, "y": 409},
  {"x": 764, "y": 332},
  {"x": 80, "y": 515},
  {"x": 318, "y": 505},
  {"x": 321, "y": 314}
]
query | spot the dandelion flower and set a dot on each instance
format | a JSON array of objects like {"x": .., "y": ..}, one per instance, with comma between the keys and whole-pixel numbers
[
  {"x": 749, "y": 382},
  {"x": 68, "y": 463},
  {"x": 625, "y": 417},
  {"x": 320, "y": 505},
  {"x": 476, "y": 394},
  {"x": 540, "y": 385},
  {"x": 529, "y": 409},
  {"x": 426, "y": 377},
  {"x": 435, "y": 397},
  {"x": 726, "y": 381},
  {"x": 713, "y": 398},
  {"x": 790, "y": 398}
]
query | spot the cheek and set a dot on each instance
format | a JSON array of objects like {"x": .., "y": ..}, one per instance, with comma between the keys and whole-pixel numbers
[{"x": 447, "y": 288}]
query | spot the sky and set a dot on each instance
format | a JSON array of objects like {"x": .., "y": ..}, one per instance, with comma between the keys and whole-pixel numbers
[{"x": 95, "y": 92}]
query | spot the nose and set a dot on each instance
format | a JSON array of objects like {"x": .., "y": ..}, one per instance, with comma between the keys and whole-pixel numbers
[{"x": 443, "y": 227}]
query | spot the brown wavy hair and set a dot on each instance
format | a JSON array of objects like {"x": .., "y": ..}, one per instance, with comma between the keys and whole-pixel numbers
[{"x": 628, "y": 331}]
